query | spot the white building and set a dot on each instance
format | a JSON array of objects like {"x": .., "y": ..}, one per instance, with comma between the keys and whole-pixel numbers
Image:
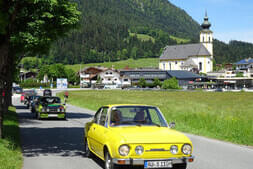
[
  {"x": 110, "y": 77},
  {"x": 191, "y": 57}
]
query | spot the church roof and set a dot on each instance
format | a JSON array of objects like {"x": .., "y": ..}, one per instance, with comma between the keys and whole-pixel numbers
[{"x": 184, "y": 51}]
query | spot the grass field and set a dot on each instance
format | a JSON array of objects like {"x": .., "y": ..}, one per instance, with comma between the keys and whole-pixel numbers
[
  {"x": 10, "y": 150},
  {"x": 225, "y": 116},
  {"x": 147, "y": 62},
  {"x": 180, "y": 40},
  {"x": 143, "y": 37}
]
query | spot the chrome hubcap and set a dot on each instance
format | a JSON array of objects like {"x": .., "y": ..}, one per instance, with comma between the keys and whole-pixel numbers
[{"x": 108, "y": 162}]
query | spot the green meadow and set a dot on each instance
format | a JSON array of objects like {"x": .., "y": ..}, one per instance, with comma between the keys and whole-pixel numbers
[
  {"x": 10, "y": 149},
  {"x": 131, "y": 63},
  {"x": 225, "y": 116}
]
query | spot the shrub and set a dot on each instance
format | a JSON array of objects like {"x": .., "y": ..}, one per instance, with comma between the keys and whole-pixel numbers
[
  {"x": 142, "y": 82},
  {"x": 170, "y": 84}
]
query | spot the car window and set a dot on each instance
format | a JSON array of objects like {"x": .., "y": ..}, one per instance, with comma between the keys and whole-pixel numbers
[
  {"x": 103, "y": 116},
  {"x": 97, "y": 116},
  {"x": 136, "y": 115}
]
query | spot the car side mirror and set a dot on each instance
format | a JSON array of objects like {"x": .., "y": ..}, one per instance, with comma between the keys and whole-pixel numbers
[{"x": 172, "y": 125}]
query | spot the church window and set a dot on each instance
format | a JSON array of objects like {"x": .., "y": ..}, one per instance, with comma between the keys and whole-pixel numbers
[
  {"x": 209, "y": 39},
  {"x": 175, "y": 62},
  {"x": 208, "y": 62},
  {"x": 203, "y": 39},
  {"x": 163, "y": 66},
  {"x": 170, "y": 66},
  {"x": 200, "y": 66}
]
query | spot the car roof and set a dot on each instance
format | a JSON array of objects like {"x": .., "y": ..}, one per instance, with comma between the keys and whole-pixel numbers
[{"x": 116, "y": 105}]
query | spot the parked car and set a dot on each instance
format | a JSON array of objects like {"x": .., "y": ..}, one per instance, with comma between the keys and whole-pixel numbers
[
  {"x": 48, "y": 107},
  {"x": 17, "y": 90},
  {"x": 47, "y": 92},
  {"x": 136, "y": 135}
]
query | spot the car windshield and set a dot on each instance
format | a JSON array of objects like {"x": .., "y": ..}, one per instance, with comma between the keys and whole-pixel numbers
[
  {"x": 50, "y": 100},
  {"x": 136, "y": 115}
]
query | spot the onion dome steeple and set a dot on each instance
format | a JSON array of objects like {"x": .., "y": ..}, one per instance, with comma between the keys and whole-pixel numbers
[{"x": 206, "y": 24}]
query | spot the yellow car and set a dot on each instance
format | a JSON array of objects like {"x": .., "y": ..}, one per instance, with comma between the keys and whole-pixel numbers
[{"x": 136, "y": 135}]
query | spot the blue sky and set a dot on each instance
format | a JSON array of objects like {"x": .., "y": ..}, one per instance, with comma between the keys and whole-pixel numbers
[{"x": 230, "y": 19}]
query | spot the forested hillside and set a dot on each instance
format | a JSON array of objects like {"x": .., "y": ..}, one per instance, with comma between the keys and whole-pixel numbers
[
  {"x": 113, "y": 30},
  {"x": 232, "y": 52},
  {"x": 110, "y": 30}
]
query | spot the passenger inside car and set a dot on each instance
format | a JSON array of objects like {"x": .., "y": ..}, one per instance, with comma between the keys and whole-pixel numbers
[
  {"x": 140, "y": 116},
  {"x": 115, "y": 117}
]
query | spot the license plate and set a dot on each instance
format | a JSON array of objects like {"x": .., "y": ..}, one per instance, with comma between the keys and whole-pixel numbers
[
  {"x": 157, "y": 164},
  {"x": 52, "y": 115}
]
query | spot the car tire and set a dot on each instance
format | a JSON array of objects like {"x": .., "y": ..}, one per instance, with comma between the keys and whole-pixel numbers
[
  {"x": 87, "y": 152},
  {"x": 180, "y": 166},
  {"x": 108, "y": 162}
]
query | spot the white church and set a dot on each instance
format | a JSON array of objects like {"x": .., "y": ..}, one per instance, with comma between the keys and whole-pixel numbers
[{"x": 191, "y": 57}]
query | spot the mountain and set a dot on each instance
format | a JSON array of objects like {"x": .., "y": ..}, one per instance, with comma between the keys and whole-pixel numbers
[
  {"x": 232, "y": 52},
  {"x": 113, "y": 30},
  {"x": 110, "y": 30}
]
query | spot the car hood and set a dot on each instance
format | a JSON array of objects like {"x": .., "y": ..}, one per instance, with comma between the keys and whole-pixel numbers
[{"x": 143, "y": 134}]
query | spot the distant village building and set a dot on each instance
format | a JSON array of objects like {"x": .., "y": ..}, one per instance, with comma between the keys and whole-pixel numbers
[
  {"x": 244, "y": 64},
  {"x": 191, "y": 57},
  {"x": 110, "y": 77},
  {"x": 89, "y": 75}
]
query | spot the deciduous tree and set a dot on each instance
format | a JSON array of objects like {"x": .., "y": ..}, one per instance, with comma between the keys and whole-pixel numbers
[{"x": 28, "y": 27}]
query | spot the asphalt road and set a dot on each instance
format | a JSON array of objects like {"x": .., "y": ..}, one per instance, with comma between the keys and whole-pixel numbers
[{"x": 58, "y": 144}]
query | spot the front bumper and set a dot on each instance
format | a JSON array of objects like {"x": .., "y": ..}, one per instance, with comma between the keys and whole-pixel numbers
[
  {"x": 131, "y": 161},
  {"x": 53, "y": 115}
]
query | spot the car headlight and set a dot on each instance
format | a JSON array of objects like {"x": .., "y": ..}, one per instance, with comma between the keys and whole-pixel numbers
[
  {"x": 187, "y": 149},
  {"x": 174, "y": 149},
  {"x": 124, "y": 150},
  {"x": 139, "y": 150}
]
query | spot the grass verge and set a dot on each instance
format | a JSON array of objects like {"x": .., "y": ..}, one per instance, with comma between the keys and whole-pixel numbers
[
  {"x": 10, "y": 148},
  {"x": 224, "y": 116}
]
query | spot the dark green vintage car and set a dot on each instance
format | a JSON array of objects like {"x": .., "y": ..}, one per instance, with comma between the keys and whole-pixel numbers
[{"x": 50, "y": 107}]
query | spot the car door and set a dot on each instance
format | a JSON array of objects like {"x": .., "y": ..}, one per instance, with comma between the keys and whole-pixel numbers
[
  {"x": 98, "y": 131},
  {"x": 91, "y": 135},
  {"x": 102, "y": 131}
]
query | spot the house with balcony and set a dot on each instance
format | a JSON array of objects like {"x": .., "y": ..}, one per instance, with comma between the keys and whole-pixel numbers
[{"x": 89, "y": 75}]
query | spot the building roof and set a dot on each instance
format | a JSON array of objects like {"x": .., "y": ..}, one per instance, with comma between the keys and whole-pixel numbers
[
  {"x": 245, "y": 61},
  {"x": 184, "y": 51},
  {"x": 189, "y": 63},
  {"x": 181, "y": 74}
]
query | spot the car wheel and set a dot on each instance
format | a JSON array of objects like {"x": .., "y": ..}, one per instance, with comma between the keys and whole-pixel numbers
[
  {"x": 108, "y": 162},
  {"x": 180, "y": 166},
  {"x": 87, "y": 152}
]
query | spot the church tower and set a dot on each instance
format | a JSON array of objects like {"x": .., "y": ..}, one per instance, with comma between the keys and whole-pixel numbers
[{"x": 206, "y": 38}]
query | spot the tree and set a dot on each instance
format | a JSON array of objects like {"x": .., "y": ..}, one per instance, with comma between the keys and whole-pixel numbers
[
  {"x": 27, "y": 28},
  {"x": 72, "y": 76},
  {"x": 171, "y": 83}
]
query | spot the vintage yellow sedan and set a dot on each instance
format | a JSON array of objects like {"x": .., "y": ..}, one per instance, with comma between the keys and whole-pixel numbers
[{"x": 136, "y": 135}]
